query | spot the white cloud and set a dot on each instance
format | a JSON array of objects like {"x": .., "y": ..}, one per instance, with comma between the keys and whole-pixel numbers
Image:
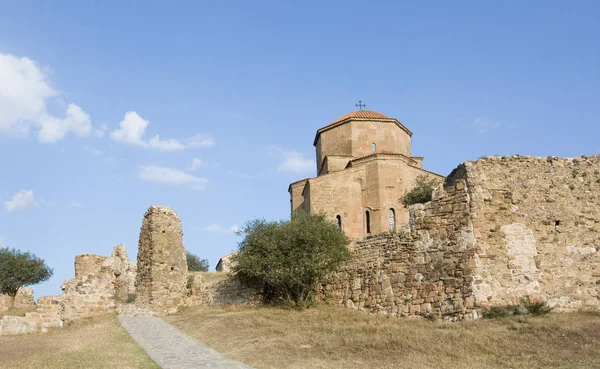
[
  {"x": 2, "y": 244},
  {"x": 93, "y": 151},
  {"x": 220, "y": 229},
  {"x": 203, "y": 141},
  {"x": 101, "y": 131},
  {"x": 293, "y": 161},
  {"x": 196, "y": 163},
  {"x": 25, "y": 92},
  {"x": 21, "y": 200},
  {"x": 483, "y": 125},
  {"x": 75, "y": 204},
  {"x": 53, "y": 129},
  {"x": 170, "y": 176},
  {"x": 132, "y": 128}
]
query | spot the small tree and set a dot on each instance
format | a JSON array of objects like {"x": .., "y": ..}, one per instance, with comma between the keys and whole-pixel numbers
[
  {"x": 287, "y": 259},
  {"x": 19, "y": 269},
  {"x": 195, "y": 264},
  {"x": 421, "y": 191}
]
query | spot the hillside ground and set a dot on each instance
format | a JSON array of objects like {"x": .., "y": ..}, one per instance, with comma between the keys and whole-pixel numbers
[
  {"x": 91, "y": 343},
  {"x": 332, "y": 337}
]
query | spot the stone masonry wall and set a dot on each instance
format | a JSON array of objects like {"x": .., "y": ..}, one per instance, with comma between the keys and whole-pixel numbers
[
  {"x": 46, "y": 315},
  {"x": 501, "y": 229},
  {"x": 23, "y": 300},
  {"x": 423, "y": 270},
  {"x": 217, "y": 288},
  {"x": 162, "y": 266},
  {"x": 99, "y": 283},
  {"x": 537, "y": 225}
]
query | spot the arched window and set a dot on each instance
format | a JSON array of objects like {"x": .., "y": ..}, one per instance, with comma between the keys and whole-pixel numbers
[
  {"x": 392, "y": 219},
  {"x": 368, "y": 221},
  {"x": 373, "y": 148},
  {"x": 338, "y": 221}
]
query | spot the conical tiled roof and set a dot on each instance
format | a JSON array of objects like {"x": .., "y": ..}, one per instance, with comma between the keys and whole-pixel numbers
[{"x": 362, "y": 114}]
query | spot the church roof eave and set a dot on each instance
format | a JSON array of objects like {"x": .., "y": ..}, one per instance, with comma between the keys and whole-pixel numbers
[{"x": 350, "y": 119}]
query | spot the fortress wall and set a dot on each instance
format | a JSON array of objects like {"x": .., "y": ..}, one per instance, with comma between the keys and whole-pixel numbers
[
  {"x": 501, "y": 229},
  {"x": 423, "y": 270},
  {"x": 23, "y": 300},
  {"x": 162, "y": 265},
  {"x": 88, "y": 264},
  {"x": 102, "y": 281},
  {"x": 46, "y": 315},
  {"x": 537, "y": 225},
  {"x": 208, "y": 288}
]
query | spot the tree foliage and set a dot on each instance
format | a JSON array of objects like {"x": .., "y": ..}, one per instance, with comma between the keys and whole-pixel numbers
[
  {"x": 19, "y": 269},
  {"x": 287, "y": 259},
  {"x": 195, "y": 264},
  {"x": 421, "y": 191}
]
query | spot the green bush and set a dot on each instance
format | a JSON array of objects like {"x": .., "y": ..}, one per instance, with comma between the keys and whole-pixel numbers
[
  {"x": 19, "y": 269},
  {"x": 286, "y": 260},
  {"x": 421, "y": 191},
  {"x": 525, "y": 307},
  {"x": 195, "y": 264}
]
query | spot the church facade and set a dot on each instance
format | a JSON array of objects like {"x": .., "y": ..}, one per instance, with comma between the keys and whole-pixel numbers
[{"x": 364, "y": 168}]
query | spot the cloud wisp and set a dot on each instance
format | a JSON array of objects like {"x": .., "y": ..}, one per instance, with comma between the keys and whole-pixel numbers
[
  {"x": 20, "y": 201},
  {"x": 483, "y": 125},
  {"x": 217, "y": 228},
  {"x": 171, "y": 177},
  {"x": 133, "y": 127},
  {"x": 292, "y": 161},
  {"x": 25, "y": 92}
]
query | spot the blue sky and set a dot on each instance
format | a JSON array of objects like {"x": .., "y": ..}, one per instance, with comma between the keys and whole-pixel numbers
[{"x": 107, "y": 107}]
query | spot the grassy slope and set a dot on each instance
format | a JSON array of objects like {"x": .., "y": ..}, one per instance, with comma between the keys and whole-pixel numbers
[
  {"x": 98, "y": 342},
  {"x": 331, "y": 337}
]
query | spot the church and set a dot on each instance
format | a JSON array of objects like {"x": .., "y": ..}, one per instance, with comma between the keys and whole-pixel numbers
[{"x": 364, "y": 168}]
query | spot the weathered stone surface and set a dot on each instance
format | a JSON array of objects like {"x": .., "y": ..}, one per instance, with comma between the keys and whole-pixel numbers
[
  {"x": 46, "y": 315},
  {"x": 225, "y": 263},
  {"x": 422, "y": 270},
  {"x": 23, "y": 300},
  {"x": 537, "y": 225},
  {"x": 88, "y": 264},
  {"x": 217, "y": 288},
  {"x": 162, "y": 266},
  {"x": 100, "y": 282},
  {"x": 501, "y": 229}
]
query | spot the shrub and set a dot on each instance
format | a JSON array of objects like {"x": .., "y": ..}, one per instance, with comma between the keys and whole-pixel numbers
[
  {"x": 19, "y": 269},
  {"x": 195, "y": 264},
  {"x": 421, "y": 191},
  {"x": 287, "y": 259},
  {"x": 525, "y": 307}
]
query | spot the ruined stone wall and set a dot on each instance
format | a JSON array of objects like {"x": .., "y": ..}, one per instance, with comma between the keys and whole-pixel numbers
[
  {"x": 502, "y": 229},
  {"x": 99, "y": 284},
  {"x": 88, "y": 264},
  {"x": 23, "y": 300},
  {"x": 537, "y": 225},
  {"x": 217, "y": 288},
  {"x": 162, "y": 266},
  {"x": 46, "y": 315},
  {"x": 423, "y": 270}
]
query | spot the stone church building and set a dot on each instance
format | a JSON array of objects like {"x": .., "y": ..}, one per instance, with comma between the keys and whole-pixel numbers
[{"x": 364, "y": 166}]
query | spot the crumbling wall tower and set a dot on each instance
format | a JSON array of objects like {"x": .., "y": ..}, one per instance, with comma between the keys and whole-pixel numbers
[{"x": 162, "y": 266}]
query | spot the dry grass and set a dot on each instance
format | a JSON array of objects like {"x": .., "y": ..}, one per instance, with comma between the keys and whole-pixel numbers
[
  {"x": 98, "y": 342},
  {"x": 331, "y": 337}
]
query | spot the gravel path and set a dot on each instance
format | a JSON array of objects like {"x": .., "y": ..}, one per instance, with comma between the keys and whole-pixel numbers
[{"x": 170, "y": 348}]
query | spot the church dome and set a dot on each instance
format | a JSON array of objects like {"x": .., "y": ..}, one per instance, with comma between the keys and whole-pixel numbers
[{"x": 361, "y": 114}]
